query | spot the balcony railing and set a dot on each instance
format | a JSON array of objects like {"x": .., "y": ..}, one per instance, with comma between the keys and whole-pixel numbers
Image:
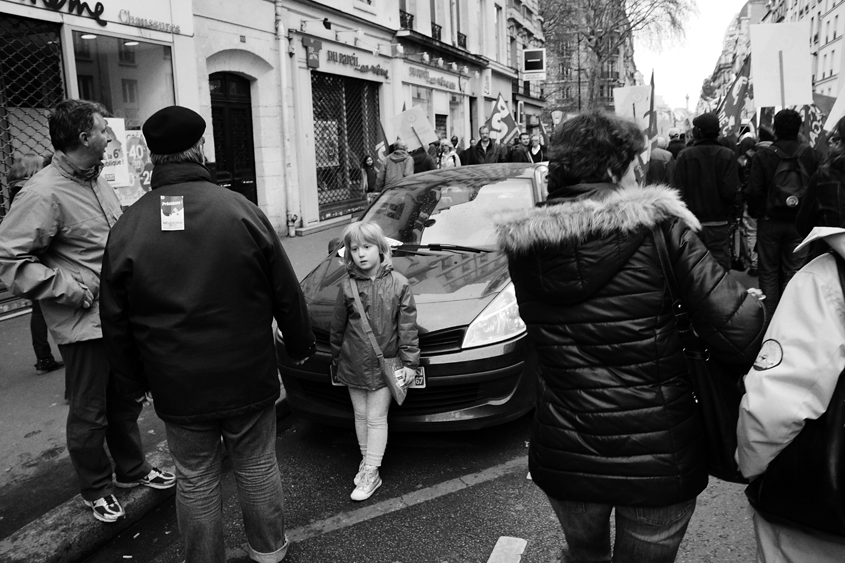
[
  {"x": 406, "y": 20},
  {"x": 436, "y": 31},
  {"x": 462, "y": 40}
]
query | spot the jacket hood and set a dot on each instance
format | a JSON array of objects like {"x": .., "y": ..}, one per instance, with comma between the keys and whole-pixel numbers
[
  {"x": 833, "y": 236},
  {"x": 398, "y": 155},
  {"x": 572, "y": 220},
  {"x": 573, "y": 246}
]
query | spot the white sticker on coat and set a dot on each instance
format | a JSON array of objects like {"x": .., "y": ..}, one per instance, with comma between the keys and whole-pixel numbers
[{"x": 771, "y": 355}]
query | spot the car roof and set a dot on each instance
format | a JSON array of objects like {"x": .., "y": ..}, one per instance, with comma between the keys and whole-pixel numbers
[{"x": 475, "y": 171}]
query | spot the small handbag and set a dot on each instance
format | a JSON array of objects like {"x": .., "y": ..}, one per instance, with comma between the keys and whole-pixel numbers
[
  {"x": 392, "y": 369},
  {"x": 718, "y": 394},
  {"x": 804, "y": 486}
]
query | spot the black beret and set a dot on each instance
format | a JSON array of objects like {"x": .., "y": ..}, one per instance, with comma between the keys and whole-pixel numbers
[
  {"x": 173, "y": 129},
  {"x": 706, "y": 122}
]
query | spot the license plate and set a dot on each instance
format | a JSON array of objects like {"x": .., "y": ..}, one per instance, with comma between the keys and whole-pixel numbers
[{"x": 417, "y": 383}]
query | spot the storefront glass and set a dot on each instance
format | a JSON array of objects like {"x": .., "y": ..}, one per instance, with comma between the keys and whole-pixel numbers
[{"x": 132, "y": 79}]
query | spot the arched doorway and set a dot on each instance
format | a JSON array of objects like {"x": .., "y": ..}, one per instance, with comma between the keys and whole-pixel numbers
[{"x": 231, "y": 117}]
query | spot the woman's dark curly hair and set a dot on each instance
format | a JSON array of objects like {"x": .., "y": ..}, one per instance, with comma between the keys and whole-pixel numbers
[
  {"x": 836, "y": 157},
  {"x": 585, "y": 147}
]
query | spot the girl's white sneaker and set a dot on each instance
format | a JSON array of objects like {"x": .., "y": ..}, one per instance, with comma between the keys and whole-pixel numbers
[
  {"x": 357, "y": 479},
  {"x": 370, "y": 481}
]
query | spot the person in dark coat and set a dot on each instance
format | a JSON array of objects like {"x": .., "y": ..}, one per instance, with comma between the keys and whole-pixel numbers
[
  {"x": 193, "y": 276},
  {"x": 707, "y": 175},
  {"x": 520, "y": 151},
  {"x": 616, "y": 423},
  {"x": 485, "y": 151},
  {"x": 777, "y": 236},
  {"x": 676, "y": 142},
  {"x": 422, "y": 161}
]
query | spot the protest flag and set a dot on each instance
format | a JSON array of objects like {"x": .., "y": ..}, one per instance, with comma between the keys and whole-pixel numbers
[{"x": 730, "y": 109}]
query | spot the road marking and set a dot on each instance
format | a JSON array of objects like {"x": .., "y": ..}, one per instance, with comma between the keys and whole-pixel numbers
[
  {"x": 508, "y": 550},
  {"x": 347, "y": 519}
]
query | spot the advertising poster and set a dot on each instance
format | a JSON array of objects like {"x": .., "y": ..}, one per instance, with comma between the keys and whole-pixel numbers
[
  {"x": 115, "y": 170},
  {"x": 138, "y": 167}
]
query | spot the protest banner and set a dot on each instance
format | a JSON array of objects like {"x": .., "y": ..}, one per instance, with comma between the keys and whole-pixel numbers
[
  {"x": 781, "y": 64},
  {"x": 413, "y": 127}
]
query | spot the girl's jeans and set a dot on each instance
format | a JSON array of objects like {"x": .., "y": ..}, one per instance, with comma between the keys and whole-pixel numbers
[
  {"x": 371, "y": 422},
  {"x": 250, "y": 441},
  {"x": 642, "y": 534}
]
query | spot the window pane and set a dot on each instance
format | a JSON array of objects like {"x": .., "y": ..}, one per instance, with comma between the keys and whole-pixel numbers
[{"x": 132, "y": 79}]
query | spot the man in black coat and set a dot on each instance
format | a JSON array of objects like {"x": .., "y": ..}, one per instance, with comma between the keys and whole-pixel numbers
[
  {"x": 707, "y": 175},
  {"x": 485, "y": 151},
  {"x": 777, "y": 236},
  {"x": 193, "y": 276}
]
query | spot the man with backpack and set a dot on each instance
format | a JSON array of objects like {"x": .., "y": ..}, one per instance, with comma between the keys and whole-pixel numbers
[{"x": 777, "y": 182}]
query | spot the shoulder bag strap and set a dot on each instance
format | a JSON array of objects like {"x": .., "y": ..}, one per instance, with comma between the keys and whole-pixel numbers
[
  {"x": 367, "y": 328},
  {"x": 693, "y": 346}
]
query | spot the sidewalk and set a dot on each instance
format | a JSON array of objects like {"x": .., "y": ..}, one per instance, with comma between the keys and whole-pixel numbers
[{"x": 68, "y": 532}]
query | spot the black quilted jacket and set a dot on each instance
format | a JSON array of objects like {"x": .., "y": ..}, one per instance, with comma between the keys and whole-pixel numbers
[{"x": 616, "y": 422}]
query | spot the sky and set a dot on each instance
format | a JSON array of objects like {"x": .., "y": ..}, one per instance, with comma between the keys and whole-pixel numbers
[{"x": 681, "y": 67}]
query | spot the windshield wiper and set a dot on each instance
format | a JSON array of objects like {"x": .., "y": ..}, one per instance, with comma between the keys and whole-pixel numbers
[
  {"x": 446, "y": 246},
  {"x": 404, "y": 248}
]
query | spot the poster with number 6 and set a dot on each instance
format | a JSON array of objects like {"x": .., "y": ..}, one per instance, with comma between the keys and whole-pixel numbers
[{"x": 139, "y": 169}]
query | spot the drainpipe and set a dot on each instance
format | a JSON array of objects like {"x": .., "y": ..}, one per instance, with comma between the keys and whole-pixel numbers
[{"x": 288, "y": 157}]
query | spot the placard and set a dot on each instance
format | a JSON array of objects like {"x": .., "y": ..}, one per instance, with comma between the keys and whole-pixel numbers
[{"x": 781, "y": 64}]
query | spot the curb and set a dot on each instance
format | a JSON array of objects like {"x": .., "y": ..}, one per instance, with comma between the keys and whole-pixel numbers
[{"x": 69, "y": 533}]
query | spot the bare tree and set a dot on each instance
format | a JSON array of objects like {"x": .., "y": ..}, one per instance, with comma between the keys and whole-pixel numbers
[{"x": 602, "y": 28}]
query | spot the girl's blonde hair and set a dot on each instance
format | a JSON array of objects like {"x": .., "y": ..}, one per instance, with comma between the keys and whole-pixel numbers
[{"x": 361, "y": 232}]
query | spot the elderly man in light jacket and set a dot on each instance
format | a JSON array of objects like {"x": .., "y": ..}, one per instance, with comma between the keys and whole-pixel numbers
[
  {"x": 792, "y": 381},
  {"x": 51, "y": 249}
]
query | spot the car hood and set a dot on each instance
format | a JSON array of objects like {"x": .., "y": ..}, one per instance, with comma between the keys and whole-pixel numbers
[{"x": 450, "y": 288}]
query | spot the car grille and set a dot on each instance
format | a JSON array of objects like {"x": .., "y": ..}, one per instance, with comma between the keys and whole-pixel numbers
[
  {"x": 438, "y": 342},
  {"x": 419, "y": 401}
]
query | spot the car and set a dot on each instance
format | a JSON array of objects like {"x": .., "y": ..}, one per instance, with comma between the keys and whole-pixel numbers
[{"x": 478, "y": 369}]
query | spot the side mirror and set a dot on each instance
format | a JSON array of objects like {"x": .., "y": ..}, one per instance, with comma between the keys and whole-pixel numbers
[{"x": 334, "y": 244}]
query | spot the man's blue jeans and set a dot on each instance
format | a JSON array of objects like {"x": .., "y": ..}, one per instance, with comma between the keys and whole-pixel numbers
[
  {"x": 776, "y": 261},
  {"x": 642, "y": 534},
  {"x": 250, "y": 440}
]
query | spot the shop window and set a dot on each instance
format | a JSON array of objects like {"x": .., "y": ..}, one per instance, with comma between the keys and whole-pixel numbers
[{"x": 132, "y": 79}]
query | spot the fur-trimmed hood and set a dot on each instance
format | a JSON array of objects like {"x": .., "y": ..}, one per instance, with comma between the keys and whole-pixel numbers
[
  {"x": 571, "y": 247},
  {"x": 569, "y": 220}
]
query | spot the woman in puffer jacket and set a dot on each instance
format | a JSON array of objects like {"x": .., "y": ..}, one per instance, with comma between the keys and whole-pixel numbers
[{"x": 616, "y": 424}]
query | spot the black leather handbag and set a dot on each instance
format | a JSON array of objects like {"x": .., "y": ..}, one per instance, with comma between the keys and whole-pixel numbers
[
  {"x": 717, "y": 392},
  {"x": 804, "y": 486}
]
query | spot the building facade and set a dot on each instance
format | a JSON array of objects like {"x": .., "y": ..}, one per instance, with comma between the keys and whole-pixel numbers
[{"x": 295, "y": 92}]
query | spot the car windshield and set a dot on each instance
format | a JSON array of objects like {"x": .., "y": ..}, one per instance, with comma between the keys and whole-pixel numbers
[{"x": 455, "y": 212}]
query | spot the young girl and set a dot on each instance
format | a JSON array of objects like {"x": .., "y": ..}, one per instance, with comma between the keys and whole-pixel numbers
[{"x": 389, "y": 305}]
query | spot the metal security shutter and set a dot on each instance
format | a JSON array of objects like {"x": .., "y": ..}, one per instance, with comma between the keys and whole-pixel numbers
[
  {"x": 346, "y": 127},
  {"x": 31, "y": 83}
]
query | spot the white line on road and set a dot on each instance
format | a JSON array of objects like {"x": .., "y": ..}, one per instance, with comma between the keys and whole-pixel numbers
[
  {"x": 346, "y": 519},
  {"x": 508, "y": 550}
]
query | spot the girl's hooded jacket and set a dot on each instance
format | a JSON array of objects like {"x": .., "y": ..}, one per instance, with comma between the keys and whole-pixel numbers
[
  {"x": 389, "y": 305},
  {"x": 616, "y": 422}
]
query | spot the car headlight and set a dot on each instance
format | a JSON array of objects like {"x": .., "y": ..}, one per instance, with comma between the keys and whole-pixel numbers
[{"x": 498, "y": 321}]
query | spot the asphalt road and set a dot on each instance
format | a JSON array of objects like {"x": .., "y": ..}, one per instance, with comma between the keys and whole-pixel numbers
[{"x": 447, "y": 497}]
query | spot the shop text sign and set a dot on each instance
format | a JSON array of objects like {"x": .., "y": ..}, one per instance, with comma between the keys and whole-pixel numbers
[
  {"x": 81, "y": 8},
  {"x": 126, "y": 17},
  {"x": 352, "y": 60},
  {"x": 424, "y": 75}
]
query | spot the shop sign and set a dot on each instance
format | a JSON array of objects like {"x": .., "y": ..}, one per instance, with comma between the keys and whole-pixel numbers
[
  {"x": 426, "y": 76},
  {"x": 126, "y": 17},
  {"x": 81, "y": 8},
  {"x": 352, "y": 60}
]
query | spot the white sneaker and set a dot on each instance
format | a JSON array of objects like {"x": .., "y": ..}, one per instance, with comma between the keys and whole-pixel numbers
[
  {"x": 357, "y": 479},
  {"x": 370, "y": 481}
]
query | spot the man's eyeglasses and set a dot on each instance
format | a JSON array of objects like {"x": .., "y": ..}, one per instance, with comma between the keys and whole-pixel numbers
[{"x": 834, "y": 140}]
